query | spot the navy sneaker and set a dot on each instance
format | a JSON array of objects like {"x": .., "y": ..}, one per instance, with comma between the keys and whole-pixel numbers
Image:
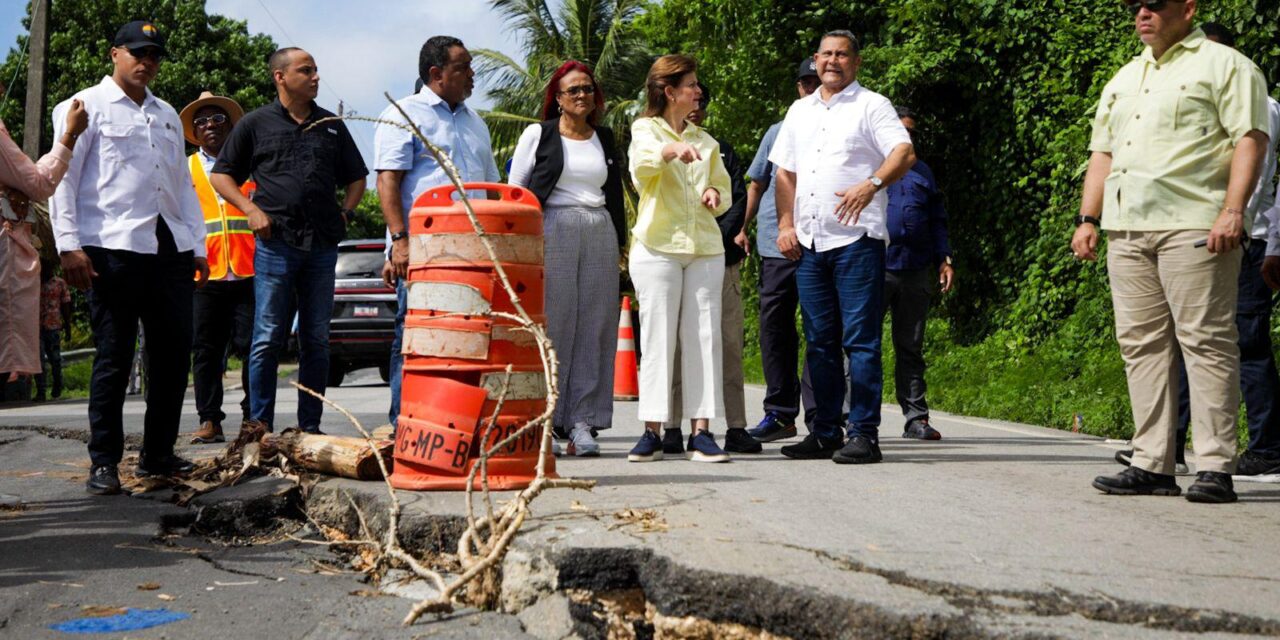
[
  {"x": 672, "y": 441},
  {"x": 859, "y": 450},
  {"x": 1256, "y": 464},
  {"x": 648, "y": 449},
  {"x": 771, "y": 428},
  {"x": 703, "y": 448}
]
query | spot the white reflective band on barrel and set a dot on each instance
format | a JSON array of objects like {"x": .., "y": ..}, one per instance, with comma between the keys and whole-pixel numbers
[
  {"x": 528, "y": 385},
  {"x": 445, "y": 343},
  {"x": 446, "y": 248},
  {"x": 446, "y": 296}
]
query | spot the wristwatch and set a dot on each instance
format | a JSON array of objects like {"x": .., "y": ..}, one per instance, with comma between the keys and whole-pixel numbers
[
  {"x": 400, "y": 235},
  {"x": 876, "y": 181},
  {"x": 348, "y": 215},
  {"x": 1090, "y": 219}
]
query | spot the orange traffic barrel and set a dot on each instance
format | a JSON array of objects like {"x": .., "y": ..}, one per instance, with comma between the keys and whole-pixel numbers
[{"x": 457, "y": 353}]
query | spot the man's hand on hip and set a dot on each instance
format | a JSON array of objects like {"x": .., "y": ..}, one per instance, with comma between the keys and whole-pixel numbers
[
  {"x": 853, "y": 200},
  {"x": 78, "y": 269}
]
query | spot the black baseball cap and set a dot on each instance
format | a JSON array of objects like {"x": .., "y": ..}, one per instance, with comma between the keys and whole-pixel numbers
[
  {"x": 139, "y": 34},
  {"x": 807, "y": 68}
]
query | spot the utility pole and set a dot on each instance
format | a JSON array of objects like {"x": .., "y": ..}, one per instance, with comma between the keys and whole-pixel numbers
[{"x": 37, "y": 48}]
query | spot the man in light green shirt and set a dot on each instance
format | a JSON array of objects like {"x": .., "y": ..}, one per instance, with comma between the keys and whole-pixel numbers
[{"x": 1177, "y": 144}]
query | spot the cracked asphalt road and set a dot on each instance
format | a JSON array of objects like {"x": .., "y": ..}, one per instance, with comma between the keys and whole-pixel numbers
[{"x": 992, "y": 531}]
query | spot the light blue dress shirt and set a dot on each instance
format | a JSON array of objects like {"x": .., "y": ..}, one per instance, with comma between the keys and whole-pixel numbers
[{"x": 461, "y": 133}]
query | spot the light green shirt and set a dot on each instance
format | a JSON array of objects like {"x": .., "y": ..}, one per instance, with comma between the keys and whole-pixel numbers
[
  {"x": 670, "y": 216},
  {"x": 1171, "y": 126}
]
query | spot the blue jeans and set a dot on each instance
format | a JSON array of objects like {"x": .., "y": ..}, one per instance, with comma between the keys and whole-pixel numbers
[
  {"x": 841, "y": 295},
  {"x": 397, "y": 358},
  {"x": 281, "y": 275}
]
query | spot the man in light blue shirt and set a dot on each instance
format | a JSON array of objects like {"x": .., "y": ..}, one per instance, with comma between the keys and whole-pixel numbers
[
  {"x": 779, "y": 343},
  {"x": 406, "y": 168}
]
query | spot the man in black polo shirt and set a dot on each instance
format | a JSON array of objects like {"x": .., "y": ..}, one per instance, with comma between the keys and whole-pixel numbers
[{"x": 298, "y": 165}]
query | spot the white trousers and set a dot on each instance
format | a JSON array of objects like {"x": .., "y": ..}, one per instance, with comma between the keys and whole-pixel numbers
[{"x": 679, "y": 295}]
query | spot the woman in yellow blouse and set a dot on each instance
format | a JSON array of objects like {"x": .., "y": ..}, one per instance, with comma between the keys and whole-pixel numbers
[{"x": 676, "y": 259}]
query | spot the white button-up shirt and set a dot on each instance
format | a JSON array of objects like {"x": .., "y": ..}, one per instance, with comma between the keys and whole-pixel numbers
[
  {"x": 831, "y": 146},
  {"x": 127, "y": 168}
]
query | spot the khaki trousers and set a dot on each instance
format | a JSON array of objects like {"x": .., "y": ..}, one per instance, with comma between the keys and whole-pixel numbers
[
  {"x": 1170, "y": 295},
  {"x": 731, "y": 334}
]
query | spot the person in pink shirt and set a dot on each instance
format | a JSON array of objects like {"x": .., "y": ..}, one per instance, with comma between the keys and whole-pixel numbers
[{"x": 22, "y": 181}]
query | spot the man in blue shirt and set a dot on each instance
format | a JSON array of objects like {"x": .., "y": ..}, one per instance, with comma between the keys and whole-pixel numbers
[
  {"x": 917, "y": 263},
  {"x": 779, "y": 342},
  {"x": 406, "y": 168}
]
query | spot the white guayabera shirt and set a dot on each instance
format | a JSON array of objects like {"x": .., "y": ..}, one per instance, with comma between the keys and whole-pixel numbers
[{"x": 832, "y": 146}]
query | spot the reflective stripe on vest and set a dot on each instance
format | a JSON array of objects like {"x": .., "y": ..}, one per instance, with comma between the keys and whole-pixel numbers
[{"x": 228, "y": 239}]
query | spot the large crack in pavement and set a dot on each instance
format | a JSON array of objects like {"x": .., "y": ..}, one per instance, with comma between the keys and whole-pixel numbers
[
  {"x": 132, "y": 441},
  {"x": 1059, "y": 602}
]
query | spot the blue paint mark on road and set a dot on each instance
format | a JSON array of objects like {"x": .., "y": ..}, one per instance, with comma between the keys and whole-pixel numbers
[{"x": 130, "y": 620}]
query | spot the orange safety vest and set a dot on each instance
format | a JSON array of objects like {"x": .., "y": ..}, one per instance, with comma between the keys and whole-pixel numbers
[{"x": 227, "y": 235}]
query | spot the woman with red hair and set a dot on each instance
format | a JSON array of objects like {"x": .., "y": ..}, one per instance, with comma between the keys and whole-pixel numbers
[{"x": 571, "y": 164}]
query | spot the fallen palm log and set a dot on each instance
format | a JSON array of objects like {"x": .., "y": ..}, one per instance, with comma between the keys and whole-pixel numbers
[{"x": 329, "y": 455}]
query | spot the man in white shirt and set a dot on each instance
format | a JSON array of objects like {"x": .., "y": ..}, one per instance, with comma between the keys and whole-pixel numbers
[
  {"x": 406, "y": 168},
  {"x": 129, "y": 230},
  {"x": 836, "y": 151}
]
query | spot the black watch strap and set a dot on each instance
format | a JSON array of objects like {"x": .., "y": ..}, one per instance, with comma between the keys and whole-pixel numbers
[
  {"x": 1090, "y": 219},
  {"x": 399, "y": 235}
]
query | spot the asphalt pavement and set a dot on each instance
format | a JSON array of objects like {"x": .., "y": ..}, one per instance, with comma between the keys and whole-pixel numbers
[{"x": 993, "y": 531}]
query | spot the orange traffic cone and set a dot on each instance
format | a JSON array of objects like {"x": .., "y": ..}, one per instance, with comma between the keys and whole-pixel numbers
[{"x": 626, "y": 384}]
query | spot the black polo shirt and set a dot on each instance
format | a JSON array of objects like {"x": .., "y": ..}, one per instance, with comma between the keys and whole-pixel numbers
[{"x": 298, "y": 171}]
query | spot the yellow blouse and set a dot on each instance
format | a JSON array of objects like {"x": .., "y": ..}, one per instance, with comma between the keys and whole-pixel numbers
[{"x": 670, "y": 216}]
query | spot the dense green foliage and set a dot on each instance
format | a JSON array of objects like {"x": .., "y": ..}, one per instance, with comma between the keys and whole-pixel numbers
[
  {"x": 1006, "y": 90},
  {"x": 206, "y": 53}
]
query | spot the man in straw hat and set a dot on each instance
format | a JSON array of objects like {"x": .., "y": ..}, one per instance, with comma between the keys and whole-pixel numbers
[{"x": 223, "y": 308}]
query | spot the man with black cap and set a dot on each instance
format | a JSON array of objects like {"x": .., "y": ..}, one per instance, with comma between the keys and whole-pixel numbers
[
  {"x": 779, "y": 343},
  {"x": 223, "y": 307},
  {"x": 128, "y": 228}
]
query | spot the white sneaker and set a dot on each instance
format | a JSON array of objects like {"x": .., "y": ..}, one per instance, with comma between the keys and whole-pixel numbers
[
  {"x": 1181, "y": 469},
  {"x": 581, "y": 443}
]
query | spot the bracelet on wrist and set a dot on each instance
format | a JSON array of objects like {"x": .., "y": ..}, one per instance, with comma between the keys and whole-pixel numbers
[{"x": 1233, "y": 210}]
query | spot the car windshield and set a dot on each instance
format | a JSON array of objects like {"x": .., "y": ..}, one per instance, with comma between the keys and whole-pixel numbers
[{"x": 359, "y": 264}]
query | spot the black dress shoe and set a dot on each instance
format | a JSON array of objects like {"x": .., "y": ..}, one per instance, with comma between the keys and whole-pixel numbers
[
  {"x": 1211, "y": 487},
  {"x": 163, "y": 466},
  {"x": 673, "y": 441},
  {"x": 813, "y": 448},
  {"x": 1137, "y": 482},
  {"x": 860, "y": 450},
  {"x": 103, "y": 480},
  {"x": 739, "y": 441}
]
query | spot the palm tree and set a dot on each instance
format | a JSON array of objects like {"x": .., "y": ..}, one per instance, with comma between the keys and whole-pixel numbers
[{"x": 599, "y": 33}]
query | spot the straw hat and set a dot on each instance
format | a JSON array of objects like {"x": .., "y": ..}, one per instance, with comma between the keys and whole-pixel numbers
[{"x": 207, "y": 99}]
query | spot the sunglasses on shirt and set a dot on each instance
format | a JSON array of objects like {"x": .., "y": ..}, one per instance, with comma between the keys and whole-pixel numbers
[
  {"x": 580, "y": 90},
  {"x": 213, "y": 120},
  {"x": 1154, "y": 6}
]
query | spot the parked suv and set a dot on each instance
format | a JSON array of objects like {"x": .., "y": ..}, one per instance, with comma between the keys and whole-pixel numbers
[{"x": 364, "y": 312}]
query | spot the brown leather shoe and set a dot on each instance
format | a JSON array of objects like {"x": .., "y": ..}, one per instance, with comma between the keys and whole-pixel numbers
[{"x": 210, "y": 431}]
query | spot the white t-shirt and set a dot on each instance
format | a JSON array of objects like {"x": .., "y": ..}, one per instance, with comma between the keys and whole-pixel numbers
[{"x": 585, "y": 169}]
